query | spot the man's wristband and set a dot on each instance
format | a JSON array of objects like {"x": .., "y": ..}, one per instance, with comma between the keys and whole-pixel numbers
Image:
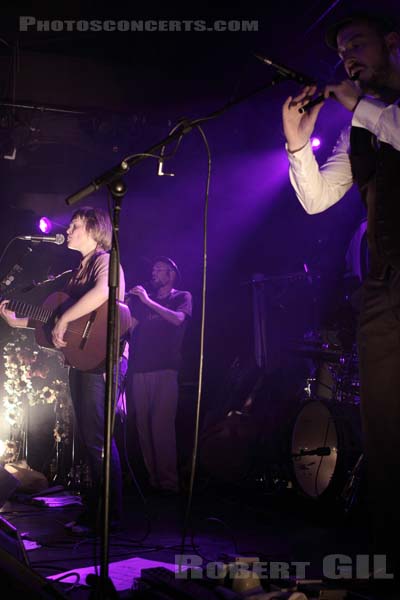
[{"x": 297, "y": 149}]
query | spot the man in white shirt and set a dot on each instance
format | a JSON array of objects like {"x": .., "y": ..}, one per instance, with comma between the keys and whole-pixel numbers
[{"x": 367, "y": 153}]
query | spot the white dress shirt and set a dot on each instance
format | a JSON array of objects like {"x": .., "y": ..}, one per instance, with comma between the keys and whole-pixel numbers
[{"x": 318, "y": 188}]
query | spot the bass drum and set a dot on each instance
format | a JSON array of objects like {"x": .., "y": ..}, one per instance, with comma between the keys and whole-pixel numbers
[{"x": 326, "y": 445}]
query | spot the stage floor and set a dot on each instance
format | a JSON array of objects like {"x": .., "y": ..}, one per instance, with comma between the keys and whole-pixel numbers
[{"x": 274, "y": 527}]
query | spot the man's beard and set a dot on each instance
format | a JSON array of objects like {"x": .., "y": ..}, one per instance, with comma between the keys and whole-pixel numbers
[
  {"x": 156, "y": 284},
  {"x": 379, "y": 78},
  {"x": 375, "y": 83}
]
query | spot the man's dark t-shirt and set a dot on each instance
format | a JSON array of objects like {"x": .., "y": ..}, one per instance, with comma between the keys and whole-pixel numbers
[{"x": 156, "y": 343}]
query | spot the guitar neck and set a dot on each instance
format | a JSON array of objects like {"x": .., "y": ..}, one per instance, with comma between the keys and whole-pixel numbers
[{"x": 36, "y": 313}]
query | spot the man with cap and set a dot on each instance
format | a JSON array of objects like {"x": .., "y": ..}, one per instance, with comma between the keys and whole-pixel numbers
[
  {"x": 159, "y": 322},
  {"x": 367, "y": 153}
]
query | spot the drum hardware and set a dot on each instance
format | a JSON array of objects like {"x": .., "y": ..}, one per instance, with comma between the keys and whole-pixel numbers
[
  {"x": 322, "y": 385},
  {"x": 318, "y": 354},
  {"x": 351, "y": 489},
  {"x": 334, "y": 374},
  {"x": 326, "y": 434}
]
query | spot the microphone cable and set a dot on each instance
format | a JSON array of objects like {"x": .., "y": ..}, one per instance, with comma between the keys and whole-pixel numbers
[{"x": 201, "y": 359}]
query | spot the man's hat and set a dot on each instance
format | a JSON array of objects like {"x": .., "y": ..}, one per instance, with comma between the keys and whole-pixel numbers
[{"x": 384, "y": 23}]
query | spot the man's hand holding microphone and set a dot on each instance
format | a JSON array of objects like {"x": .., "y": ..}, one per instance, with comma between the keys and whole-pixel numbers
[{"x": 300, "y": 113}]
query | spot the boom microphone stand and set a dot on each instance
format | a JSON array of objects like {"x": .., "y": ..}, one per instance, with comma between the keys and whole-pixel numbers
[{"x": 118, "y": 191}]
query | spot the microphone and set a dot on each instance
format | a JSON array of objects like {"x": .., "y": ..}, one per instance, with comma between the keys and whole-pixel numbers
[
  {"x": 58, "y": 239},
  {"x": 286, "y": 72},
  {"x": 315, "y": 102},
  {"x": 321, "y": 97}
]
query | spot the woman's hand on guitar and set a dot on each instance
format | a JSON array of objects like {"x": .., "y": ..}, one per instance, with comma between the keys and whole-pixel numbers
[
  {"x": 8, "y": 315},
  {"x": 58, "y": 334}
]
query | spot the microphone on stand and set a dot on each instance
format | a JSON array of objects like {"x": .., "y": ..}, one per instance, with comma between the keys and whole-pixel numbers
[
  {"x": 315, "y": 102},
  {"x": 286, "y": 71},
  {"x": 58, "y": 239},
  {"x": 321, "y": 97}
]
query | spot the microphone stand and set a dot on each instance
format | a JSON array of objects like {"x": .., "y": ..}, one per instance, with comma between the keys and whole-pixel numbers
[
  {"x": 186, "y": 126},
  {"x": 112, "y": 179},
  {"x": 118, "y": 191}
]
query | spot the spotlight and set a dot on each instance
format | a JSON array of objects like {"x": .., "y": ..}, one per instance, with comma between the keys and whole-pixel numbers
[
  {"x": 315, "y": 143},
  {"x": 45, "y": 225}
]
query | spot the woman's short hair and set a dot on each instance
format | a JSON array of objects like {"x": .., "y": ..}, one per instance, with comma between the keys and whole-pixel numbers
[{"x": 97, "y": 223}]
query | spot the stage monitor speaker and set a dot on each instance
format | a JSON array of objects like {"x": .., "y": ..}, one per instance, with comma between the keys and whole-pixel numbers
[
  {"x": 18, "y": 580},
  {"x": 8, "y": 485},
  {"x": 30, "y": 481}
]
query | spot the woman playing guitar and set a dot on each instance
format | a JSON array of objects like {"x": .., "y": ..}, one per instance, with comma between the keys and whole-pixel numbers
[{"x": 89, "y": 233}]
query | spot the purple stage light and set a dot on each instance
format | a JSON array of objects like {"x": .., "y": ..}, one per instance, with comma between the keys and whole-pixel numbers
[
  {"x": 315, "y": 143},
  {"x": 45, "y": 225}
]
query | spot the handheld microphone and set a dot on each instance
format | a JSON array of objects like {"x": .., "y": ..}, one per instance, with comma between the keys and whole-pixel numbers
[
  {"x": 58, "y": 239},
  {"x": 321, "y": 97},
  {"x": 286, "y": 72},
  {"x": 318, "y": 100}
]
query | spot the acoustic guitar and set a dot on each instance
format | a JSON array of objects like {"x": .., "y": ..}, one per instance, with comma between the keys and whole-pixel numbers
[{"x": 86, "y": 337}]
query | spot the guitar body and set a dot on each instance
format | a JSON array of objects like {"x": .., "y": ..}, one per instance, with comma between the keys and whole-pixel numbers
[{"x": 86, "y": 337}]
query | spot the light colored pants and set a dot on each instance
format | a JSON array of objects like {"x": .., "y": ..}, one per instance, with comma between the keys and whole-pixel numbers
[{"x": 155, "y": 398}]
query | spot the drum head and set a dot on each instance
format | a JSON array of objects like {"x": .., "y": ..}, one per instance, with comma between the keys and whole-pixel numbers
[{"x": 314, "y": 432}]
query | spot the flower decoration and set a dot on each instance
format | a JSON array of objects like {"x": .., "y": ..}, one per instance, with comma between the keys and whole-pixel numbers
[{"x": 33, "y": 376}]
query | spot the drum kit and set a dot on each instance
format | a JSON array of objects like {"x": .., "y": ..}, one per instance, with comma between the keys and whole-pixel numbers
[{"x": 326, "y": 445}]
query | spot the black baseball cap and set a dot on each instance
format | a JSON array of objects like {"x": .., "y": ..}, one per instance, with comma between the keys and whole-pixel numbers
[{"x": 384, "y": 24}]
